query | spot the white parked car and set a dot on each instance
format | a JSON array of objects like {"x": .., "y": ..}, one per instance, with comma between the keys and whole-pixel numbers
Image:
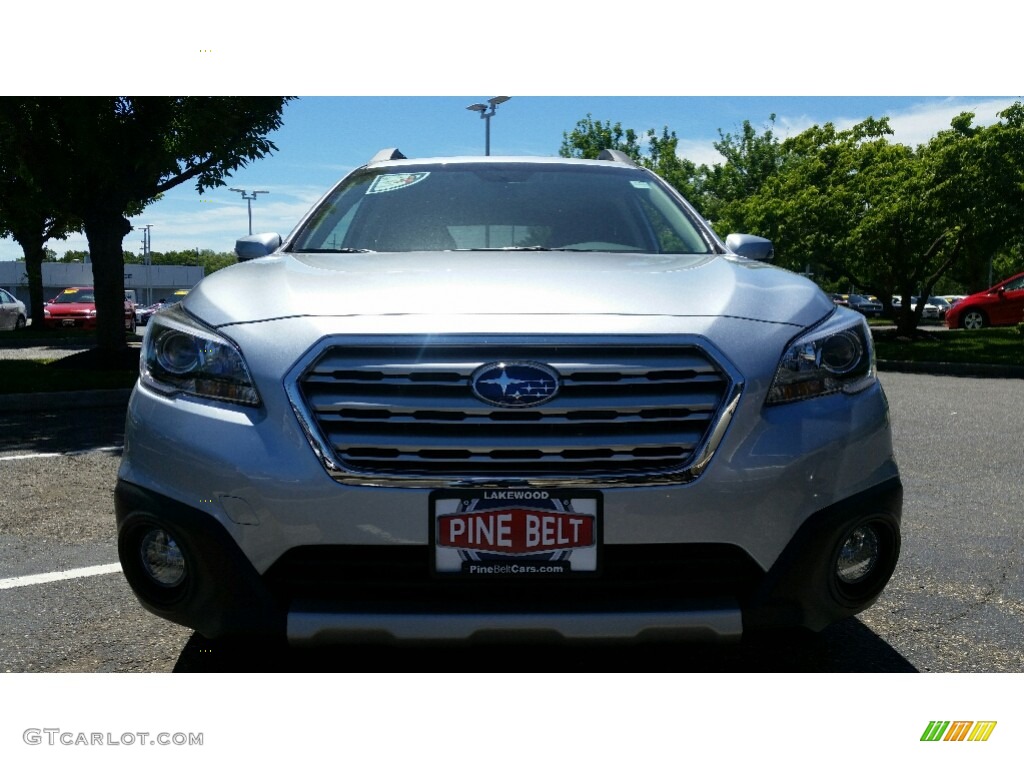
[
  {"x": 934, "y": 309},
  {"x": 13, "y": 315}
]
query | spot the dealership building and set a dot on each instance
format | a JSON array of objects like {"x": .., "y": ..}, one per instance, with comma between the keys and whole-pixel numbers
[{"x": 151, "y": 282}]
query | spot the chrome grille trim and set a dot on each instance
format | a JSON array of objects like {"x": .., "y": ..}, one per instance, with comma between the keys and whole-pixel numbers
[{"x": 399, "y": 411}]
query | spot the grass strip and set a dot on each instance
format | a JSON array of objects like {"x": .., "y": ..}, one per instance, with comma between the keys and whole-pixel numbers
[{"x": 988, "y": 346}]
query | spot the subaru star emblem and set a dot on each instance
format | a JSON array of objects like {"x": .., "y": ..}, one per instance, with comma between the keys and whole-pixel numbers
[{"x": 515, "y": 385}]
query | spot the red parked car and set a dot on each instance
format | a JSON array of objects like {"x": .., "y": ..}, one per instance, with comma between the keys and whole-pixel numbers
[
  {"x": 76, "y": 308},
  {"x": 1002, "y": 304}
]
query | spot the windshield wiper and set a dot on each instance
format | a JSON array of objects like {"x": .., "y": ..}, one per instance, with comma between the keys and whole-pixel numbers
[
  {"x": 515, "y": 248},
  {"x": 337, "y": 250}
]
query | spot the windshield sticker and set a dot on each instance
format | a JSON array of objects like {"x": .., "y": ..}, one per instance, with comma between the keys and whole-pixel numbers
[
  {"x": 641, "y": 184},
  {"x": 70, "y": 290},
  {"x": 389, "y": 182}
]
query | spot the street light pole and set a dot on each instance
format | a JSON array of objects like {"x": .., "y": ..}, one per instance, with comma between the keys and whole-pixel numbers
[
  {"x": 486, "y": 114},
  {"x": 248, "y": 199}
]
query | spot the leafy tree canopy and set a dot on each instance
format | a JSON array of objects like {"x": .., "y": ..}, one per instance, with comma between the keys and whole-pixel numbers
[
  {"x": 97, "y": 160},
  {"x": 658, "y": 152}
]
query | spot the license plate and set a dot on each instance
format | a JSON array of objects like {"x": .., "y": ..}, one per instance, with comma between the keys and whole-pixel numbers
[
  {"x": 515, "y": 533},
  {"x": 69, "y": 322}
]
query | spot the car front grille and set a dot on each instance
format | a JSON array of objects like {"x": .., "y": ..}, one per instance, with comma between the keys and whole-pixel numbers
[{"x": 406, "y": 410}]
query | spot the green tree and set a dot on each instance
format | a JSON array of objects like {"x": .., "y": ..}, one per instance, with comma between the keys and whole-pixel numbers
[
  {"x": 71, "y": 257},
  {"x": 25, "y": 217},
  {"x": 208, "y": 259},
  {"x": 980, "y": 174},
  {"x": 658, "y": 152},
  {"x": 663, "y": 158},
  {"x": 97, "y": 160},
  {"x": 751, "y": 158},
  {"x": 589, "y": 137},
  {"x": 211, "y": 261},
  {"x": 785, "y": 191},
  {"x": 892, "y": 218}
]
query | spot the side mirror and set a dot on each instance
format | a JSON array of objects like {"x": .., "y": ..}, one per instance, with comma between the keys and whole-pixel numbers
[
  {"x": 750, "y": 247},
  {"x": 255, "y": 246}
]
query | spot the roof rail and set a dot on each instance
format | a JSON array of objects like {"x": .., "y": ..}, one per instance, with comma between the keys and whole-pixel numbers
[
  {"x": 391, "y": 153},
  {"x": 616, "y": 155}
]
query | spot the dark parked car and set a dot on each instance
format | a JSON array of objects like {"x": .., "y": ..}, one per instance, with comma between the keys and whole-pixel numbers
[{"x": 864, "y": 305}]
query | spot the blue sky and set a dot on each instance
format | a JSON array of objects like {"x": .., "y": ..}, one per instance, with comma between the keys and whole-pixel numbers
[{"x": 323, "y": 137}]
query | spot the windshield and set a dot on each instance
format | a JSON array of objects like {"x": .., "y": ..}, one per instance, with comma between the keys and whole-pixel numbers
[
  {"x": 491, "y": 206},
  {"x": 75, "y": 296}
]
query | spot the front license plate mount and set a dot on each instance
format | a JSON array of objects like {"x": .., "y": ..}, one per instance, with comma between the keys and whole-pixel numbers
[{"x": 516, "y": 533}]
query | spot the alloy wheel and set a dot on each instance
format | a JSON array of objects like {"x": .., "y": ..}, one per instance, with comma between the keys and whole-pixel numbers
[{"x": 974, "y": 320}]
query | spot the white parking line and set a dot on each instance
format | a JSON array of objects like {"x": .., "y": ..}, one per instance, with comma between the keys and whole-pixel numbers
[
  {"x": 74, "y": 573},
  {"x": 23, "y": 456}
]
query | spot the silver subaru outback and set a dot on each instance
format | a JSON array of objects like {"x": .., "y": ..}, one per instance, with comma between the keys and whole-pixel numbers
[{"x": 506, "y": 397}]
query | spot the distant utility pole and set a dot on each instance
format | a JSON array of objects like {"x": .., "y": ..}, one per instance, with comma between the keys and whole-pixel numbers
[
  {"x": 147, "y": 259},
  {"x": 249, "y": 198},
  {"x": 147, "y": 244}
]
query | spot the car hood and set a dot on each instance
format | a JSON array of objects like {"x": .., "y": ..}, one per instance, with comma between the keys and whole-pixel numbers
[{"x": 505, "y": 283}]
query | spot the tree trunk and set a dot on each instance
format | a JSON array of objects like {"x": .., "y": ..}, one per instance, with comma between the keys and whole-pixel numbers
[
  {"x": 106, "y": 233},
  {"x": 906, "y": 320},
  {"x": 32, "y": 247}
]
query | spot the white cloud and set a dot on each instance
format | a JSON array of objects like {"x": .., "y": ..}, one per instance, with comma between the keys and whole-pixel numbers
[
  {"x": 181, "y": 222},
  {"x": 918, "y": 125},
  {"x": 912, "y": 126}
]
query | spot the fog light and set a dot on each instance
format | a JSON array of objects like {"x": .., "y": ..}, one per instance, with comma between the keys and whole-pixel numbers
[
  {"x": 858, "y": 556},
  {"x": 162, "y": 558}
]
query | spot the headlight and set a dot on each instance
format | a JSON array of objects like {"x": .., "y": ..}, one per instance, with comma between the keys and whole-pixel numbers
[
  {"x": 180, "y": 355},
  {"x": 836, "y": 356}
]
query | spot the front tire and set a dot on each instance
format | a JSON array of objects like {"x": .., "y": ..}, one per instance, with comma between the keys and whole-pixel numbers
[
  {"x": 20, "y": 323},
  {"x": 973, "y": 320}
]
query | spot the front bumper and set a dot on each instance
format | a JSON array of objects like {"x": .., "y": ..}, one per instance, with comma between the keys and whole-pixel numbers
[
  {"x": 321, "y": 593},
  {"x": 75, "y": 321}
]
